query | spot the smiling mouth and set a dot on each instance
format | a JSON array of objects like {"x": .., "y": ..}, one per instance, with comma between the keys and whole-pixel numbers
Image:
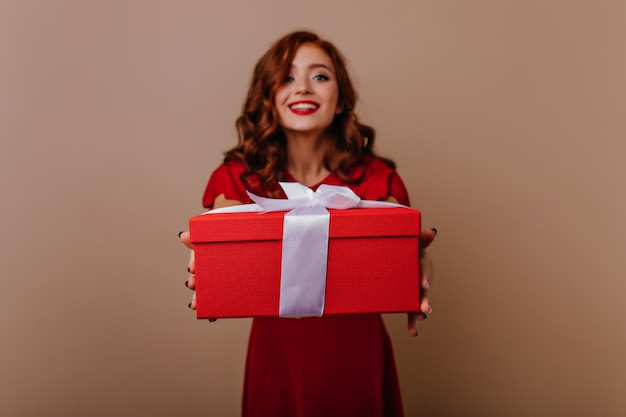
[{"x": 304, "y": 107}]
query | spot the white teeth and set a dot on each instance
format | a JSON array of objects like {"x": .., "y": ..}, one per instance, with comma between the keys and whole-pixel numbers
[{"x": 303, "y": 106}]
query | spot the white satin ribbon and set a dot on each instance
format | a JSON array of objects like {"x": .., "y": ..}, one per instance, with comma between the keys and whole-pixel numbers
[{"x": 305, "y": 240}]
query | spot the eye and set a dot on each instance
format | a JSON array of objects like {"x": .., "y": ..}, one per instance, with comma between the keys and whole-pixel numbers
[
  {"x": 288, "y": 79},
  {"x": 321, "y": 77}
]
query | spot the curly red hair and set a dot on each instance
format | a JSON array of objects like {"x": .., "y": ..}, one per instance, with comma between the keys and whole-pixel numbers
[{"x": 262, "y": 143}]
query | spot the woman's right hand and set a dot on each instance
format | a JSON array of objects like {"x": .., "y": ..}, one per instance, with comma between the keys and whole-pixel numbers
[{"x": 191, "y": 268}]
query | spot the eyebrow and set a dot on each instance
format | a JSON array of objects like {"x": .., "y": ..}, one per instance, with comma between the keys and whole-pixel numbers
[{"x": 314, "y": 66}]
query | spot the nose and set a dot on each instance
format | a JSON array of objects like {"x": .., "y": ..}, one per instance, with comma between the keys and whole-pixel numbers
[{"x": 303, "y": 85}]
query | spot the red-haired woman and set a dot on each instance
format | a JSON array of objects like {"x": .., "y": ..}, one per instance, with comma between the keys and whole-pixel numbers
[{"x": 298, "y": 124}]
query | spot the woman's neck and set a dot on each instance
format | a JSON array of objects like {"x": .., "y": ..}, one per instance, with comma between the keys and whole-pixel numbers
[{"x": 305, "y": 158}]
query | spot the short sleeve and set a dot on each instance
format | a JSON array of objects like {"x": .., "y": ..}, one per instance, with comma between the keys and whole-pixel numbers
[
  {"x": 397, "y": 189},
  {"x": 226, "y": 180},
  {"x": 382, "y": 182}
]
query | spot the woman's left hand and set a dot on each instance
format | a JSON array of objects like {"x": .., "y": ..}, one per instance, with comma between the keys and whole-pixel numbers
[{"x": 426, "y": 270}]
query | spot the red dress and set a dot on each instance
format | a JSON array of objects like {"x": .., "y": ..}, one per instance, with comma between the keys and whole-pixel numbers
[{"x": 329, "y": 366}]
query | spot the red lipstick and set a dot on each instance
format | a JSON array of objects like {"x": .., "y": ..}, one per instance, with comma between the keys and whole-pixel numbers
[{"x": 303, "y": 107}]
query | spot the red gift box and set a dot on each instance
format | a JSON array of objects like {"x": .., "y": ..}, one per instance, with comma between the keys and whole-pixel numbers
[{"x": 373, "y": 262}]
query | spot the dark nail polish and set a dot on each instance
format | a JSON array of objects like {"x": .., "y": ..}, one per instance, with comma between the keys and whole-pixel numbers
[
  {"x": 189, "y": 305},
  {"x": 187, "y": 284},
  {"x": 180, "y": 233},
  {"x": 212, "y": 320},
  {"x": 434, "y": 230},
  {"x": 424, "y": 316},
  {"x": 189, "y": 270}
]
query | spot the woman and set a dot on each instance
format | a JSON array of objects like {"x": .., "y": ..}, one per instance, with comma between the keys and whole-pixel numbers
[{"x": 298, "y": 124}]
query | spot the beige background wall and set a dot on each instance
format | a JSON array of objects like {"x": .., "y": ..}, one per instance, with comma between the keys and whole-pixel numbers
[{"x": 506, "y": 119}]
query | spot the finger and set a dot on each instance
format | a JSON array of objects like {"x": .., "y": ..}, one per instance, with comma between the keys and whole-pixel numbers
[
  {"x": 425, "y": 282},
  {"x": 191, "y": 265},
  {"x": 425, "y": 306},
  {"x": 185, "y": 237},
  {"x": 191, "y": 282},
  {"x": 426, "y": 270},
  {"x": 411, "y": 324},
  {"x": 412, "y": 320},
  {"x": 426, "y": 238}
]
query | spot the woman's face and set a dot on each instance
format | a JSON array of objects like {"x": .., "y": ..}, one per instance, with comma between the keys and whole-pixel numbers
[{"x": 307, "y": 99}]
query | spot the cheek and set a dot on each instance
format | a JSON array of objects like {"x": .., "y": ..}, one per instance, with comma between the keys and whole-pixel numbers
[
  {"x": 281, "y": 96},
  {"x": 335, "y": 100},
  {"x": 279, "y": 101},
  {"x": 333, "y": 95}
]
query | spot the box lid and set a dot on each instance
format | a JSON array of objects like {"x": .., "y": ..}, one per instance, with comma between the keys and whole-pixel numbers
[{"x": 360, "y": 222}]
